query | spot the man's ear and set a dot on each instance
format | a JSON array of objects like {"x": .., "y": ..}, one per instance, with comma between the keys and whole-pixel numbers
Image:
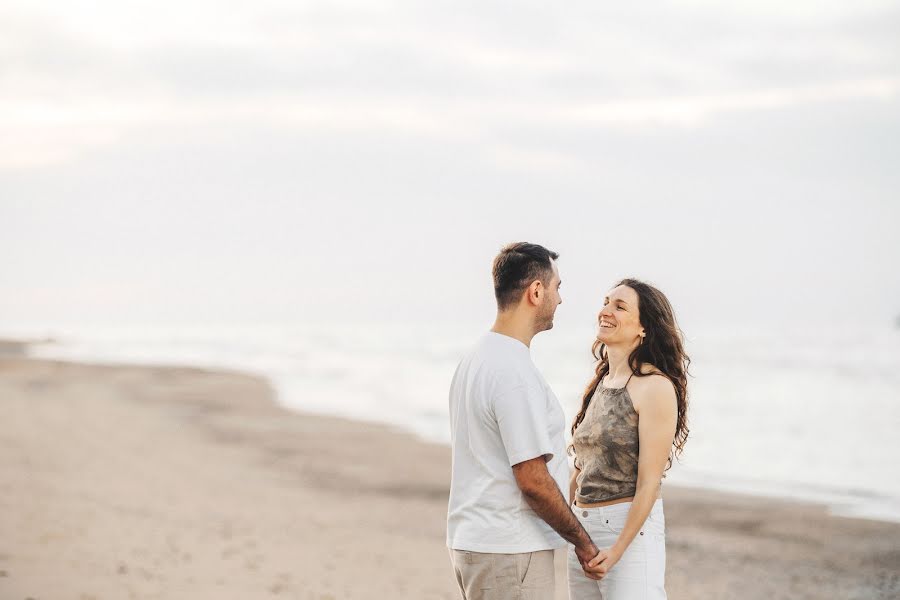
[{"x": 534, "y": 292}]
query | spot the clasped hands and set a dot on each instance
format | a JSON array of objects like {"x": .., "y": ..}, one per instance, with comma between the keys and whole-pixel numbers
[{"x": 597, "y": 567}]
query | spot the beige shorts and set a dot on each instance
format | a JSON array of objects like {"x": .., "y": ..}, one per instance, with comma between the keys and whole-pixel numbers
[{"x": 487, "y": 576}]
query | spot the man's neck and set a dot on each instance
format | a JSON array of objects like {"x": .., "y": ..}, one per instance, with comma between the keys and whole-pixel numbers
[{"x": 514, "y": 326}]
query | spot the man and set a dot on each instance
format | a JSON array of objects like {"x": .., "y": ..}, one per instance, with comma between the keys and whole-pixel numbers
[{"x": 507, "y": 512}]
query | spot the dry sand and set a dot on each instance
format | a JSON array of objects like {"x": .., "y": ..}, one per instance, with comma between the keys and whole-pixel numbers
[{"x": 121, "y": 482}]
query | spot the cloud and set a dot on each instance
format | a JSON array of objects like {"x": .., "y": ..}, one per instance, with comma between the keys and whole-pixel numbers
[{"x": 490, "y": 80}]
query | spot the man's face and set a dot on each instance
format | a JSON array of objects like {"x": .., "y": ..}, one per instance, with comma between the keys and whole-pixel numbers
[{"x": 551, "y": 299}]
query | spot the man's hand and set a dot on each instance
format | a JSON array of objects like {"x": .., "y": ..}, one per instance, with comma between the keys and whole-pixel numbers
[{"x": 585, "y": 558}]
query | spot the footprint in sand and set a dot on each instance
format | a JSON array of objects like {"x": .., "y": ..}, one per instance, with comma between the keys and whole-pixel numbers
[{"x": 283, "y": 583}]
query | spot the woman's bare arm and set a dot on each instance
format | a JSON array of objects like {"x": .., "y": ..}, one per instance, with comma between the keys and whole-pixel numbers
[{"x": 573, "y": 485}]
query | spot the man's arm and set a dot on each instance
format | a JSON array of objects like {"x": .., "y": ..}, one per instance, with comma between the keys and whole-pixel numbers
[{"x": 544, "y": 497}]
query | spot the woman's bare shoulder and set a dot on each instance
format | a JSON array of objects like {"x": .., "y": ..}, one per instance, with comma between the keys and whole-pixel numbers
[{"x": 654, "y": 386}]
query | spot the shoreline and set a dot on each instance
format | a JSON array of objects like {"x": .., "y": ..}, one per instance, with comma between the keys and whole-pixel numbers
[
  {"x": 864, "y": 502},
  {"x": 166, "y": 481}
]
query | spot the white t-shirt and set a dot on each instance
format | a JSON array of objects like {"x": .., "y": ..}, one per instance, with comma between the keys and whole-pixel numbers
[{"x": 502, "y": 412}]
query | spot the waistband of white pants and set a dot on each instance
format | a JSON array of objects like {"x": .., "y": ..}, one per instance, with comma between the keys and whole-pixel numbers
[{"x": 616, "y": 509}]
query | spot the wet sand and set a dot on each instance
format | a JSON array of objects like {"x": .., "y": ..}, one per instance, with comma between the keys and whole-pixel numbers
[{"x": 122, "y": 482}]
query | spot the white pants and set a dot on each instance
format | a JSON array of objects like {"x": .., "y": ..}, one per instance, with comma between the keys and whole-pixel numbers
[{"x": 640, "y": 573}]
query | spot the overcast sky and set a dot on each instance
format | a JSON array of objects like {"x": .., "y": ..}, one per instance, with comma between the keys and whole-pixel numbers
[{"x": 179, "y": 161}]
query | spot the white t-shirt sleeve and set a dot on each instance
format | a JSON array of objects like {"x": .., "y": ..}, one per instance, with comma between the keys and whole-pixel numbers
[{"x": 521, "y": 414}]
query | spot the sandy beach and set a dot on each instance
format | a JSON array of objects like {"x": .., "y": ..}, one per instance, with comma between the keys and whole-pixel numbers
[{"x": 121, "y": 482}]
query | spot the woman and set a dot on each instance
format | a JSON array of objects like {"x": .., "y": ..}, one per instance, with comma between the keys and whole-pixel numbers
[{"x": 632, "y": 423}]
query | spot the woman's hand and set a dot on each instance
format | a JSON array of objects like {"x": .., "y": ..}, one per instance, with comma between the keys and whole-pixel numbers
[{"x": 604, "y": 561}]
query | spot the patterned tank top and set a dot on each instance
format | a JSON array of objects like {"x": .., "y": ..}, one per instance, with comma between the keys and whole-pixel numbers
[{"x": 606, "y": 447}]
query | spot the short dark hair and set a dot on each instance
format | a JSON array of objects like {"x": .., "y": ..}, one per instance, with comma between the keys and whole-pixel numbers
[{"x": 516, "y": 267}]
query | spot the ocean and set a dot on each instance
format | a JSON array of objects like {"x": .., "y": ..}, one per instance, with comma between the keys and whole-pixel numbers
[{"x": 808, "y": 415}]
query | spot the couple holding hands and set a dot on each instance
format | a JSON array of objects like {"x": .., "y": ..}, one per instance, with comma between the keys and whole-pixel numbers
[{"x": 513, "y": 500}]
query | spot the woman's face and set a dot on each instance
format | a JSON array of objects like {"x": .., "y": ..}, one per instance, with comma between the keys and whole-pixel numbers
[{"x": 620, "y": 319}]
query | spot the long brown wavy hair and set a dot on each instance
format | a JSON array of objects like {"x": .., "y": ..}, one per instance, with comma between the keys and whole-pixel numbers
[{"x": 662, "y": 347}]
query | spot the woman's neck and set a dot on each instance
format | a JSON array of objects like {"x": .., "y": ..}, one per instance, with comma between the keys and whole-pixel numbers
[{"x": 617, "y": 357}]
